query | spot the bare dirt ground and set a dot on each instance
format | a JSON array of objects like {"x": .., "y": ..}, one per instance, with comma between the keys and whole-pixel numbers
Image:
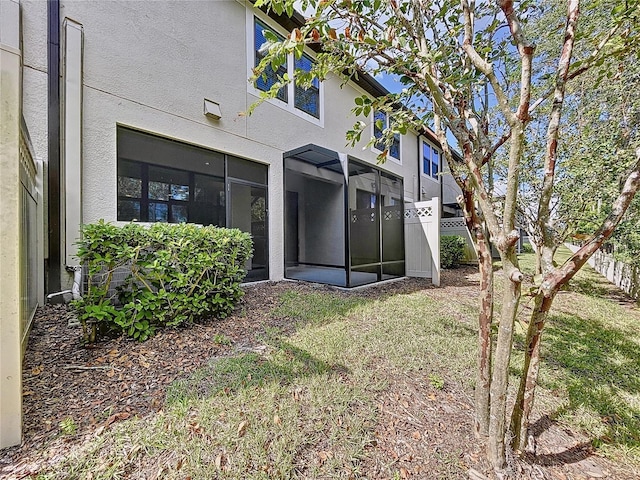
[{"x": 422, "y": 435}]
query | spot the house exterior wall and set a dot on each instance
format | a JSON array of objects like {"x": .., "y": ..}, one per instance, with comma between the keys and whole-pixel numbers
[
  {"x": 450, "y": 189},
  {"x": 150, "y": 65}
]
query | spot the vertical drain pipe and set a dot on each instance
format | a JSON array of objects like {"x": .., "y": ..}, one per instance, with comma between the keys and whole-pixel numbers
[{"x": 53, "y": 280}]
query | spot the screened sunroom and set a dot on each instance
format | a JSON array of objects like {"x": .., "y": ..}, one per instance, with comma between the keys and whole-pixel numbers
[{"x": 343, "y": 219}]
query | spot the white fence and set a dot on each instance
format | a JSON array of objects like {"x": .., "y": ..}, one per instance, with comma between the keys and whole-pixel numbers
[
  {"x": 422, "y": 239},
  {"x": 21, "y": 262},
  {"x": 31, "y": 212},
  {"x": 625, "y": 277}
]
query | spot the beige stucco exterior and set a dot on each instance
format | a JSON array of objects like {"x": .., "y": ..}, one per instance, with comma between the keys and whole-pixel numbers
[{"x": 150, "y": 65}]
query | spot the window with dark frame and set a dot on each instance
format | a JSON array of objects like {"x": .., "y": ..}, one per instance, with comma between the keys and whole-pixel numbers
[
  {"x": 151, "y": 193},
  {"x": 165, "y": 180}
]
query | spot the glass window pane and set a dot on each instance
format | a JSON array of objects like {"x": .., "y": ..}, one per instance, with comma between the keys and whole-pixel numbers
[
  {"x": 158, "y": 212},
  {"x": 435, "y": 163},
  {"x": 394, "y": 148},
  {"x": 129, "y": 187},
  {"x": 159, "y": 191},
  {"x": 247, "y": 170},
  {"x": 129, "y": 179},
  {"x": 209, "y": 189},
  {"x": 426, "y": 158},
  {"x": 307, "y": 99},
  {"x": 269, "y": 77},
  {"x": 209, "y": 206},
  {"x": 128, "y": 210},
  {"x": 168, "y": 184},
  {"x": 179, "y": 214},
  {"x": 379, "y": 123},
  {"x": 180, "y": 192}
]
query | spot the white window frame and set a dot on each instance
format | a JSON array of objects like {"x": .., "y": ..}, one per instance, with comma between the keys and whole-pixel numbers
[
  {"x": 373, "y": 135},
  {"x": 429, "y": 175},
  {"x": 289, "y": 105}
]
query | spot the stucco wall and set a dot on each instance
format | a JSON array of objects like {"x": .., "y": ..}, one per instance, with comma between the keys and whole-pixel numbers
[{"x": 149, "y": 65}]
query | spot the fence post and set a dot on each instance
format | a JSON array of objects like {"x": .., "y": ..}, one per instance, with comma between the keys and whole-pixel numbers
[
  {"x": 10, "y": 277},
  {"x": 434, "y": 242}
]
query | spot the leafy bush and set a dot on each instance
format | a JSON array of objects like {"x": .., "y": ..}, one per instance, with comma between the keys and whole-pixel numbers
[
  {"x": 527, "y": 248},
  {"x": 451, "y": 250},
  {"x": 143, "y": 278}
]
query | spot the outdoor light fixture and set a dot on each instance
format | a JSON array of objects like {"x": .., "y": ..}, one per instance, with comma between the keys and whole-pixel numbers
[{"x": 212, "y": 109}]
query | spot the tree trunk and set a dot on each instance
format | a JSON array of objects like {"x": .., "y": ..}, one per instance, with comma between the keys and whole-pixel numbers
[
  {"x": 475, "y": 225},
  {"x": 496, "y": 452},
  {"x": 485, "y": 316},
  {"x": 529, "y": 379},
  {"x": 538, "y": 253}
]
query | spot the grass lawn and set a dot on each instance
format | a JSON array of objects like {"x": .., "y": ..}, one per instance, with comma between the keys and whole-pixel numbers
[{"x": 307, "y": 405}]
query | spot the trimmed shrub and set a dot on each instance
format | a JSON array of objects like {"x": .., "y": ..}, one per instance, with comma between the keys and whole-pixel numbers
[
  {"x": 451, "y": 250},
  {"x": 142, "y": 278},
  {"x": 527, "y": 248}
]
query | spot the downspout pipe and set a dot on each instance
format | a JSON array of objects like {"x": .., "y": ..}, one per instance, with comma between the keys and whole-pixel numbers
[
  {"x": 75, "y": 292},
  {"x": 53, "y": 280}
]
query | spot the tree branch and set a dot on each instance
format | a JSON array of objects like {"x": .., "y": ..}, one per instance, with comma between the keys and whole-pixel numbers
[{"x": 564, "y": 63}]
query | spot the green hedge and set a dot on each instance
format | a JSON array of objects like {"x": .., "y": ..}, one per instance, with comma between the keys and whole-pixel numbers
[
  {"x": 142, "y": 278},
  {"x": 451, "y": 250}
]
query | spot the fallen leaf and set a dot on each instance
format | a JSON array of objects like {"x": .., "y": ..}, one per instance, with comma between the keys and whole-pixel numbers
[
  {"x": 277, "y": 420},
  {"x": 117, "y": 416},
  {"x": 143, "y": 362},
  {"x": 404, "y": 473},
  {"x": 324, "y": 455},
  {"x": 37, "y": 370},
  {"x": 219, "y": 461},
  {"x": 242, "y": 428},
  {"x": 196, "y": 428}
]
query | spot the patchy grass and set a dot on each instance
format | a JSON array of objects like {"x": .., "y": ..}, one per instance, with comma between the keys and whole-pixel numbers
[
  {"x": 591, "y": 363},
  {"x": 304, "y": 405}
]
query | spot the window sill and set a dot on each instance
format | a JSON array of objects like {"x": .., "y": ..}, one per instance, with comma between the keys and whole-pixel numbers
[
  {"x": 434, "y": 180},
  {"x": 395, "y": 160},
  {"x": 289, "y": 108}
]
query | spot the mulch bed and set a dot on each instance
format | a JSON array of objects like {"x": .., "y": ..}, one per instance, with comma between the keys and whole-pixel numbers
[{"x": 417, "y": 433}]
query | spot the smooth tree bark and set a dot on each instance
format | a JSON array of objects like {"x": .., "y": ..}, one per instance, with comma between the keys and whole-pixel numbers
[{"x": 476, "y": 226}]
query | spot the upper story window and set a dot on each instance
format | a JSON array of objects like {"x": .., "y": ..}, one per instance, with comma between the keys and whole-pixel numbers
[
  {"x": 305, "y": 102},
  {"x": 380, "y": 123},
  {"x": 430, "y": 161},
  {"x": 269, "y": 78},
  {"x": 307, "y": 99}
]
